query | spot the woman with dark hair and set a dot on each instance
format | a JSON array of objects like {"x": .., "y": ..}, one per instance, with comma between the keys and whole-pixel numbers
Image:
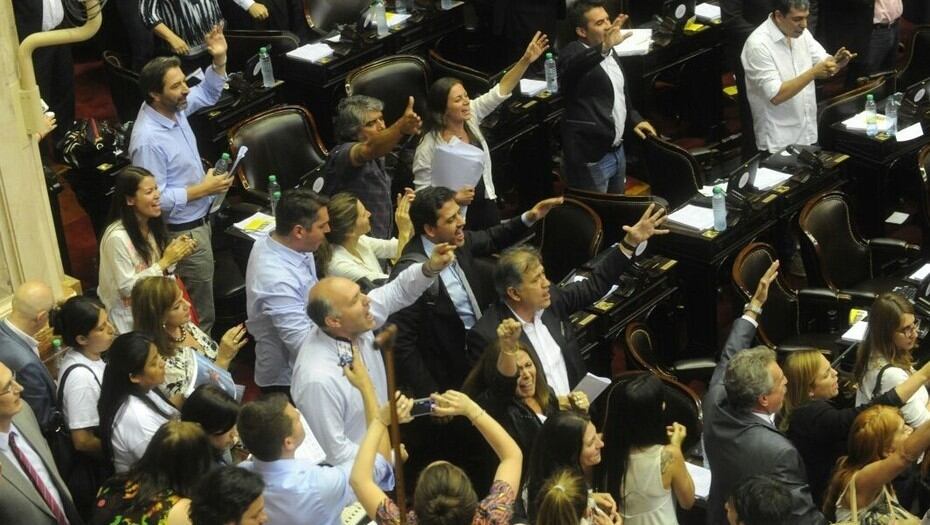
[
  {"x": 443, "y": 493},
  {"x": 884, "y": 359},
  {"x": 131, "y": 408},
  {"x": 160, "y": 309},
  {"x": 643, "y": 462},
  {"x": 216, "y": 412},
  {"x": 567, "y": 440},
  {"x": 349, "y": 252},
  {"x": 453, "y": 119},
  {"x": 228, "y": 495},
  {"x": 155, "y": 489},
  {"x": 135, "y": 244}
]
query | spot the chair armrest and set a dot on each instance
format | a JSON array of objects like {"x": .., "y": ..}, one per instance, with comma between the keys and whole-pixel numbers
[
  {"x": 822, "y": 295},
  {"x": 818, "y": 309},
  {"x": 893, "y": 247},
  {"x": 694, "y": 364}
]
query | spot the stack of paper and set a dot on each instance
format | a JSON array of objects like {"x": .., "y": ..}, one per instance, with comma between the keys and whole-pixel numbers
[
  {"x": 701, "y": 477},
  {"x": 857, "y": 122},
  {"x": 767, "y": 178},
  {"x": 636, "y": 44},
  {"x": 457, "y": 164},
  {"x": 856, "y": 332},
  {"x": 256, "y": 226},
  {"x": 311, "y": 52},
  {"x": 921, "y": 272},
  {"x": 910, "y": 133},
  {"x": 692, "y": 216},
  {"x": 530, "y": 87},
  {"x": 707, "y": 12},
  {"x": 592, "y": 386}
]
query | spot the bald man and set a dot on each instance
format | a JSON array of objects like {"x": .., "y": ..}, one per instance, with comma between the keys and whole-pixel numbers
[
  {"x": 19, "y": 349},
  {"x": 344, "y": 318}
]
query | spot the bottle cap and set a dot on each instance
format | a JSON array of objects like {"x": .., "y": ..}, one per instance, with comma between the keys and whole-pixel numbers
[
  {"x": 225, "y": 156},
  {"x": 272, "y": 178},
  {"x": 548, "y": 55},
  {"x": 718, "y": 190},
  {"x": 56, "y": 342},
  {"x": 870, "y": 97},
  {"x": 263, "y": 50}
]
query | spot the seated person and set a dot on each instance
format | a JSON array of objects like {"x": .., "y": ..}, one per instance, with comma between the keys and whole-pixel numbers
[
  {"x": 349, "y": 252},
  {"x": 758, "y": 500},
  {"x": 215, "y": 411},
  {"x": 563, "y": 500},
  {"x": 228, "y": 495}
]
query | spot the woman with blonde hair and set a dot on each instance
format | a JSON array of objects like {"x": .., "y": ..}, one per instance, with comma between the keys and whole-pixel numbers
[
  {"x": 817, "y": 427},
  {"x": 563, "y": 500},
  {"x": 880, "y": 448}
]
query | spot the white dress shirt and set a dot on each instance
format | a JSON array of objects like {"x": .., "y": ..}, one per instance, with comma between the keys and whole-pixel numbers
[
  {"x": 367, "y": 265},
  {"x": 887, "y": 11},
  {"x": 770, "y": 59},
  {"x": 548, "y": 351},
  {"x": 35, "y": 460},
  {"x": 52, "y": 14},
  {"x": 332, "y": 406},
  {"x": 618, "y": 112}
]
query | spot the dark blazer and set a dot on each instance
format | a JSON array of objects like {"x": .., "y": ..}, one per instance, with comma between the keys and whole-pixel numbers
[
  {"x": 38, "y": 385},
  {"x": 430, "y": 347},
  {"x": 19, "y": 500},
  {"x": 566, "y": 300},
  {"x": 738, "y": 444},
  {"x": 588, "y": 126}
]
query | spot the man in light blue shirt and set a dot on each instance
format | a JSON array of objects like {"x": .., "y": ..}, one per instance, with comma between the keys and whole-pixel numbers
[
  {"x": 163, "y": 142},
  {"x": 278, "y": 279},
  {"x": 296, "y": 490}
]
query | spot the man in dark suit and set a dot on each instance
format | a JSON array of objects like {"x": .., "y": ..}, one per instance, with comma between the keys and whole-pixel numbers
[
  {"x": 543, "y": 311},
  {"x": 19, "y": 349},
  {"x": 597, "y": 103},
  {"x": 740, "y": 438},
  {"x": 31, "y": 490}
]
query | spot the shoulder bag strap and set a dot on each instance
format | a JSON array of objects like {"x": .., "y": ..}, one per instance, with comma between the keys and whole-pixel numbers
[
  {"x": 876, "y": 391},
  {"x": 64, "y": 377}
]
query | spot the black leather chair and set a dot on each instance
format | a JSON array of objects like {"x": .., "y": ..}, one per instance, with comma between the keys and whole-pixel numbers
[
  {"x": 674, "y": 174},
  {"x": 642, "y": 349},
  {"x": 846, "y": 105},
  {"x": 244, "y": 44},
  {"x": 615, "y": 210},
  {"x": 923, "y": 176},
  {"x": 392, "y": 80},
  {"x": 783, "y": 325},
  {"x": 836, "y": 256},
  {"x": 282, "y": 141},
  {"x": 124, "y": 85},
  {"x": 569, "y": 236},
  {"x": 468, "y": 56},
  {"x": 917, "y": 67}
]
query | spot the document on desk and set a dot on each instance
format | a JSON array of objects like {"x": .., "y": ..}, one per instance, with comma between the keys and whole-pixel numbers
[
  {"x": 707, "y": 12},
  {"x": 919, "y": 275},
  {"x": 256, "y": 226},
  {"x": 394, "y": 19},
  {"x": 311, "y": 52},
  {"x": 856, "y": 332},
  {"x": 457, "y": 164},
  {"x": 768, "y": 178},
  {"x": 592, "y": 386},
  {"x": 691, "y": 216},
  {"x": 701, "y": 477},
  {"x": 636, "y": 44},
  {"x": 910, "y": 133},
  {"x": 857, "y": 122},
  {"x": 530, "y": 87}
]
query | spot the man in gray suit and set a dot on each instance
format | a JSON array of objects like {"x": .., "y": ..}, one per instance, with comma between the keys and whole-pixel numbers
[
  {"x": 740, "y": 437},
  {"x": 31, "y": 491},
  {"x": 19, "y": 349}
]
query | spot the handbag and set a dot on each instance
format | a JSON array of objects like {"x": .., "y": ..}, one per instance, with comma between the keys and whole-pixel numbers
[{"x": 894, "y": 515}]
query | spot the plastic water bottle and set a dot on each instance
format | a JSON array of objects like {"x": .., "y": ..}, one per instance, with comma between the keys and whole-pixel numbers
[
  {"x": 400, "y": 7},
  {"x": 273, "y": 187},
  {"x": 871, "y": 118},
  {"x": 222, "y": 166},
  {"x": 446, "y": 5},
  {"x": 552, "y": 74},
  {"x": 720, "y": 209},
  {"x": 275, "y": 198},
  {"x": 267, "y": 72},
  {"x": 891, "y": 115},
  {"x": 380, "y": 17}
]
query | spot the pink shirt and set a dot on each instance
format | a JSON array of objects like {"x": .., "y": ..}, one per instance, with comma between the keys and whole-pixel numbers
[{"x": 887, "y": 11}]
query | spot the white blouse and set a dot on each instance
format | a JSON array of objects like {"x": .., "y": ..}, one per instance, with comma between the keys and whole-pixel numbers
[
  {"x": 133, "y": 427},
  {"x": 344, "y": 264},
  {"x": 81, "y": 390}
]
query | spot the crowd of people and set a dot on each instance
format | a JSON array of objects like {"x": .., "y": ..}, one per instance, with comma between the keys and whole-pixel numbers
[{"x": 143, "y": 422}]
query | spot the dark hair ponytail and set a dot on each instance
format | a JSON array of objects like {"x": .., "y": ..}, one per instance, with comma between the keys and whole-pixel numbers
[{"x": 78, "y": 316}]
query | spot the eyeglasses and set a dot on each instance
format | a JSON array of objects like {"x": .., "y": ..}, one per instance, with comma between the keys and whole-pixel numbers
[
  {"x": 911, "y": 329},
  {"x": 9, "y": 387}
]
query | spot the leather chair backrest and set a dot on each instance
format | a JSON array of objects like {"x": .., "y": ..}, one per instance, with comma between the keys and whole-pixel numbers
[
  {"x": 674, "y": 174},
  {"x": 282, "y": 141},
  {"x": 469, "y": 57},
  {"x": 923, "y": 177},
  {"x": 844, "y": 106},
  {"x": 640, "y": 344},
  {"x": 835, "y": 255},
  {"x": 124, "y": 85},
  {"x": 570, "y": 235},
  {"x": 616, "y": 210},
  {"x": 917, "y": 67},
  {"x": 392, "y": 80},
  {"x": 244, "y": 45},
  {"x": 779, "y": 318}
]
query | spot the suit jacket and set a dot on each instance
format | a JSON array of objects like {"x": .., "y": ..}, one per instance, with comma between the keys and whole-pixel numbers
[
  {"x": 566, "y": 300},
  {"x": 38, "y": 386},
  {"x": 739, "y": 444},
  {"x": 430, "y": 347},
  {"x": 588, "y": 126},
  {"x": 19, "y": 500}
]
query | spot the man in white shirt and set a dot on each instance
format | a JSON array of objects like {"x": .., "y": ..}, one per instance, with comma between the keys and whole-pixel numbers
[
  {"x": 344, "y": 318},
  {"x": 781, "y": 60}
]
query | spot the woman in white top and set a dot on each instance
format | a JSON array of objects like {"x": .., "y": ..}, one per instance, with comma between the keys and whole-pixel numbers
[
  {"x": 887, "y": 351},
  {"x": 349, "y": 252},
  {"x": 135, "y": 244},
  {"x": 453, "y": 119},
  {"x": 160, "y": 309},
  {"x": 131, "y": 408},
  {"x": 643, "y": 463}
]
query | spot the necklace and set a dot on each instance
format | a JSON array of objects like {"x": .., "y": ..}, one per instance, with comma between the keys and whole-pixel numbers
[{"x": 180, "y": 338}]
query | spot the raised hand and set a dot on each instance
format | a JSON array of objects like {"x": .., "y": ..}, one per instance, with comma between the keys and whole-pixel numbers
[
  {"x": 216, "y": 42},
  {"x": 233, "y": 341},
  {"x": 465, "y": 195},
  {"x": 614, "y": 36},
  {"x": 443, "y": 255},
  {"x": 537, "y": 46},
  {"x": 647, "y": 226},
  {"x": 542, "y": 208},
  {"x": 454, "y": 403},
  {"x": 409, "y": 122},
  {"x": 843, "y": 56},
  {"x": 508, "y": 332},
  {"x": 356, "y": 371},
  {"x": 402, "y": 213},
  {"x": 676, "y": 434},
  {"x": 762, "y": 289}
]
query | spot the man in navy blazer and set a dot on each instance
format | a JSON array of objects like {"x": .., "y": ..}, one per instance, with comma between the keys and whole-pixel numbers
[
  {"x": 19, "y": 349},
  {"x": 597, "y": 101},
  {"x": 740, "y": 437}
]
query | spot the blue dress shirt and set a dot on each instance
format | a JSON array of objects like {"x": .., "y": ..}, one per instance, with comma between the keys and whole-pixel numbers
[
  {"x": 455, "y": 288},
  {"x": 168, "y": 148}
]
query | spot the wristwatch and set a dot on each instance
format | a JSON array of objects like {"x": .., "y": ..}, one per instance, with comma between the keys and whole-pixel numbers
[
  {"x": 637, "y": 249},
  {"x": 750, "y": 308}
]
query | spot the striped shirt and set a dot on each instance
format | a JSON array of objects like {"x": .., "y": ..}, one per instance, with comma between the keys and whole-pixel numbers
[{"x": 191, "y": 20}]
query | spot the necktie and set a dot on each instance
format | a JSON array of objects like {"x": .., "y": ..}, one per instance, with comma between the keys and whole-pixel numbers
[
  {"x": 471, "y": 295},
  {"x": 37, "y": 482}
]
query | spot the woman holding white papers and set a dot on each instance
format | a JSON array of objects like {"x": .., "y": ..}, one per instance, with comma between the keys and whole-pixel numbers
[{"x": 454, "y": 120}]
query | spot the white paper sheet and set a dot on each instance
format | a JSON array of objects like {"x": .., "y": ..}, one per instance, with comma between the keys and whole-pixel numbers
[
  {"x": 457, "y": 164},
  {"x": 767, "y": 178},
  {"x": 856, "y": 332},
  {"x": 311, "y": 52},
  {"x": 636, "y": 44},
  {"x": 857, "y": 122},
  {"x": 530, "y": 87},
  {"x": 707, "y": 191},
  {"x": 256, "y": 226},
  {"x": 910, "y": 133},
  {"x": 592, "y": 386},
  {"x": 394, "y": 19},
  {"x": 692, "y": 216},
  {"x": 921, "y": 272},
  {"x": 701, "y": 477},
  {"x": 707, "y": 12},
  {"x": 897, "y": 217}
]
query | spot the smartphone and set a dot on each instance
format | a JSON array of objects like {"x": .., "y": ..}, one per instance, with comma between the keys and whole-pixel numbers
[{"x": 422, "y": 407}]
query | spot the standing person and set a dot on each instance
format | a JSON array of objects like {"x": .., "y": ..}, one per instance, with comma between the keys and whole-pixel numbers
[
  {"x": 135, "y": 244},
  {"x": 163, "y": 143},
  {"x": 183, "y": 27},
  {"x": 356, "y": 165},
  {"x": 216, "y": 412},
  {"x": 781, "y": 60},
  {"x": 881, "y": 44},
  {"x": 598, "y": 108},
  {"x": 563, "y": 500},
  {"x": 454, "y": 119}
]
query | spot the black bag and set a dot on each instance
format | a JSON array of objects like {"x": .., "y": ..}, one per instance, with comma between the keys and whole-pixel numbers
[{"x": 91, "y": 143}]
